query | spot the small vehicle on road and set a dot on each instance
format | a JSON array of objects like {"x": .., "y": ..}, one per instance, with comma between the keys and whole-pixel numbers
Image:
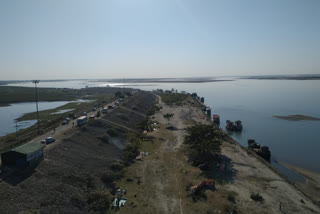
[
  {"x": 50, "y": 140},
  {"x": 64, "y": 122}
]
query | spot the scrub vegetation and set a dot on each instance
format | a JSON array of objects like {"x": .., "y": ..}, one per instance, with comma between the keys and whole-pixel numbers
[
  {"x": 14, "y": 94},
  {"x": 171, "y": 97}
]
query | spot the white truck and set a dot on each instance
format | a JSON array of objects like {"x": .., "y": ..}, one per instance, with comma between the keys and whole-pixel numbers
[{"x": 81, "y": 120}]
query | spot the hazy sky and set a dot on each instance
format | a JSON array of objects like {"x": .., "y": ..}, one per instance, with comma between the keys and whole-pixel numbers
[{"x": 62, "y": 39}]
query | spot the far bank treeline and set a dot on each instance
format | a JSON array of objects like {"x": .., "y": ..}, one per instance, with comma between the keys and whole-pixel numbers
[{"x": 13, "y": 94}]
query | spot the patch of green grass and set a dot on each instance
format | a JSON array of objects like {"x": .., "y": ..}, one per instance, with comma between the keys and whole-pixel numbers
[
  {"x": 173, "y": 98},
  {"x": 13, "y": 94}
]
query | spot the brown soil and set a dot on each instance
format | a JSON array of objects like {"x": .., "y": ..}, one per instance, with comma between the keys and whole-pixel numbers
[
  {"x": 165, "y": 174},
  {"x": 71, "y": 170}
]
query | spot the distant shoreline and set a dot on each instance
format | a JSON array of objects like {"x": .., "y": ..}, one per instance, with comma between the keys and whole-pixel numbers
[
  {"x": 296, "y": 117},
  {"x": 162, "y": 81},
  {"x": 284, "y": 77}
]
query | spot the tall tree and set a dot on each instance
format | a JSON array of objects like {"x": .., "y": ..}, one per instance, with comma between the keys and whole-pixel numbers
[{"x": 203, "y": 139}]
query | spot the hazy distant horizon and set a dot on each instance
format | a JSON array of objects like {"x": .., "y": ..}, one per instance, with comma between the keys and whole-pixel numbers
[
  {"x": 79, "y": 39},
  {"x": 289, "y": 76}
]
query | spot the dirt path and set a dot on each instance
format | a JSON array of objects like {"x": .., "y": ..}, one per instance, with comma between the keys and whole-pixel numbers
[{"x": 161, "y": 190}]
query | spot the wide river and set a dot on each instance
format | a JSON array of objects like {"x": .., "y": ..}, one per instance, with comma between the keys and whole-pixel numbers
[{"x": 255, "y": 102}]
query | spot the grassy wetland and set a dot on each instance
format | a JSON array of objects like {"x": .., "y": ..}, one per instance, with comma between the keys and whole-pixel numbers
[{"x": 49, "y": 119}]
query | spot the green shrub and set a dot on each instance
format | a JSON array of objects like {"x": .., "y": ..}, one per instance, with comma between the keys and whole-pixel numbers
[
  {"x": 119, "y": 94},
  {"x": 256, "y": 197},
  {"x": 142, "y": 125},
  {"x": 130, "y": 153},
  {"x": 116, "y": 166},
  {"x": 172, "y": 98},
  {"x": 104, "y": 138},
  {"x": 129, "y": 180},
  {"x": 110, "y": 177},
  {"x": 231, "y": 198},
  {"x": 150, "y": 112}
]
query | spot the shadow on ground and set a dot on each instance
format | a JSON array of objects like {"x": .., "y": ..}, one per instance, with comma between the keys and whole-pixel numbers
[
  {"x": 222, "y": 172},
  {"x": 18, "y": 175}
]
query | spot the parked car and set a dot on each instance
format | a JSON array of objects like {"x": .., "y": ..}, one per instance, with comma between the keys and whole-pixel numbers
[
  {"x": 43, "y": 142},
  {"x": 50, "y": 140},
  {"x": 104, "y": 111},
  {"x": 67, "y": 119},
  {"x": 73, "y": 116},
  {"x": 94, "y": 109},
  {"x": 84, "y": 113},
  {"x": 64, "y": 122}
]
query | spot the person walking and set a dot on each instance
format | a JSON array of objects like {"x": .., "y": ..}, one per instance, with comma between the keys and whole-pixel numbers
[{"x": 118, "y": 204}]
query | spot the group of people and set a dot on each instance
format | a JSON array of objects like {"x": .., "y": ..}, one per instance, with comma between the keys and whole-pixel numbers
[{"x": 119, "y": 199}]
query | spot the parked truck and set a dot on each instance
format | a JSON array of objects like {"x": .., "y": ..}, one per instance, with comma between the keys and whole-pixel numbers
[{"x": 81, "y": 120}]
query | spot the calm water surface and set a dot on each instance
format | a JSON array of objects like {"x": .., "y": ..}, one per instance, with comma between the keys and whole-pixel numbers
[{"x": 8, "y": 115}]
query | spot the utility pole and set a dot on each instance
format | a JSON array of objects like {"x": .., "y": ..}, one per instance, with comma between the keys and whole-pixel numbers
[
  {"x": 16, "y": 130},
  {"x": 36, "y": 92}
]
